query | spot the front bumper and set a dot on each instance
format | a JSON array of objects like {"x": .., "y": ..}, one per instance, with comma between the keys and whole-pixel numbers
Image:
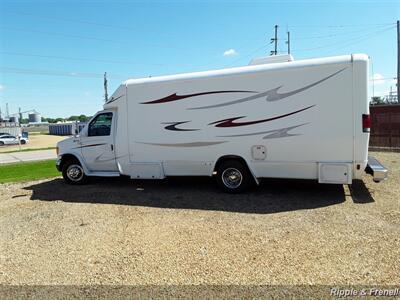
[
  {"x": 58, "y": 164},
  {"x": 376, "y": 169}
]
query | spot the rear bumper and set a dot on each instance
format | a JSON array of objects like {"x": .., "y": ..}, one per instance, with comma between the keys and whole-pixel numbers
[{"x": 376, "y": 169}]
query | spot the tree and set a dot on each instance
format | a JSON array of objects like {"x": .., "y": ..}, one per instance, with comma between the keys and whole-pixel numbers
[
  {"x": 83, "y": 118},
  {"x": 377, "y": 100},
  {"x": 73, "y": 118}
]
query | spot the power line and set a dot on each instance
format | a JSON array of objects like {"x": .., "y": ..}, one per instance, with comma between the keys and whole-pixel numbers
[
  {"x": 71, "y": 20},
  {"x": 324, "y": 36},
  {"x": 78, "y": 36},
  {"x": 56, "y": 33},
  {"x": 352, "y": 40},
  {"x": 360, "y": 39},
  {"x": 65, "y": 57},
  {"x": 56, "y": 73},
  {"x": 383, "y": 79},
  {"x": 343, "y": 26}
]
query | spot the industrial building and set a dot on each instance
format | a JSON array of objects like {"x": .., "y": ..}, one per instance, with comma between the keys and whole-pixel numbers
[
  {"x": 66, "y": 128},
  {"x": 34, "y": 117},
  {"x": 12, "y": 130}
]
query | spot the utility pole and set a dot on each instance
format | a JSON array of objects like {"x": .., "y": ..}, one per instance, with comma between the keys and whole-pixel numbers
[
  {"x": 105, "y": 87},
  {"x": 288, "y": 42},
  {"x": 7, "y": 111},
  {"x": 398, "y": 61},
  {"x": 275, "y": 40}
]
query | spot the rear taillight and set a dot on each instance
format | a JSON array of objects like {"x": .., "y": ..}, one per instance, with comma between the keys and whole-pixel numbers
[{"x": 366, "y": 122}]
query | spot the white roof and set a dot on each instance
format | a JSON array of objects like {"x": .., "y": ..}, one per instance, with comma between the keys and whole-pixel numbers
[
  {"x": 250, "y": 69},
  {"x": 271, "y": 59}
]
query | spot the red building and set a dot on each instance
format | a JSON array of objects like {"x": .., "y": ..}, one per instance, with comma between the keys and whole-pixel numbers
[{"x": 385, "y": 128}]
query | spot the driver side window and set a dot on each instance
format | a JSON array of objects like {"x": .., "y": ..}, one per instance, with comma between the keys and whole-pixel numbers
[{"x": 101, "y": 125}]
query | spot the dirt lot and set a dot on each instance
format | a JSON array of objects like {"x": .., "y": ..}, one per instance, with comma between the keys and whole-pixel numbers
[
  {"x": 35, "y": 142},
  {"x": 185, "y": 231}
]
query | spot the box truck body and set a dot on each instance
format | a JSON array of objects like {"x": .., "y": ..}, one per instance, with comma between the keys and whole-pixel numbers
[{"x": 305, "y": 119}]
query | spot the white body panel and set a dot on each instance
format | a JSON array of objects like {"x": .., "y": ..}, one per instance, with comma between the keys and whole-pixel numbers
[{"x": 283, "y": 119}]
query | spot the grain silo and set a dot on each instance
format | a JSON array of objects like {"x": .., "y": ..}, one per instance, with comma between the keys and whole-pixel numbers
[{"x": 34, "y": 118}]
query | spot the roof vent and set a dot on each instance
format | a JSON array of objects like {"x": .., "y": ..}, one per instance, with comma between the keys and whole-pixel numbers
[{"x": 271, "y": 59}]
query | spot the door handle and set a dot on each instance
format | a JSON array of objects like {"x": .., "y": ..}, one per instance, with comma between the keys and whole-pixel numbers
[{"x": 112, "y": 147}]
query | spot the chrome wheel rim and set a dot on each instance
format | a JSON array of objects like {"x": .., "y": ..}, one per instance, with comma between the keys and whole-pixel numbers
[
  {"x": 75, "y": 173},
  {"x": 232, "y": 178}
]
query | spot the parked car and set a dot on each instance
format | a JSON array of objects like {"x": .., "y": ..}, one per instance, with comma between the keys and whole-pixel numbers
[{"x": 12, "y": 140}]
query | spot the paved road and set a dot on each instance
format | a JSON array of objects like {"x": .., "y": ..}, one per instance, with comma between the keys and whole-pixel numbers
[{"x": 6, "y": 158}]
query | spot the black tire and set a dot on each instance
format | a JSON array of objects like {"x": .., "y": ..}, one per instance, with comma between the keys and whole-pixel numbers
[
  {"x": 233, "y": 176},
  {"x": 23, "y": 142},
  {"x": 1, "y": 143},
  {"x": 73, "y": 173}
]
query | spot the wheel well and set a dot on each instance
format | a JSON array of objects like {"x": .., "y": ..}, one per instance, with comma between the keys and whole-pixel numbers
[
  {"x": 68, "y": 157},
  {"x": 230, "y": 157}
]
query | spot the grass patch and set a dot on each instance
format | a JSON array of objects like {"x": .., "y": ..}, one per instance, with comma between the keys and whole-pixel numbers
[
  {"x": 28, "y": 171},
  {"x": 29, "y": 149},
  {"x": 38, "y": 133}
]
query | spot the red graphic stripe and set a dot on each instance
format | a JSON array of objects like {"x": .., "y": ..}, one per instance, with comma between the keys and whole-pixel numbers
[
  {"x": 231, "y": 122},
  {"x": 175, "y": 97}
]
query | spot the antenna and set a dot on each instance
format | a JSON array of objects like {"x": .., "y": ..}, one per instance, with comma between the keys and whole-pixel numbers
[
  {"x": 105, "y": 87},
  {"x": 288, "y": 42}
]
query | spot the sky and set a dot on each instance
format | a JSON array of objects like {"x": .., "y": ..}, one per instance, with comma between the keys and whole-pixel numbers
[{"x": 53, "y": 54}]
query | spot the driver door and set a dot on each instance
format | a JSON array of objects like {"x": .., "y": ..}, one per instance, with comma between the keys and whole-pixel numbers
[{"x": 98, "y": 143}]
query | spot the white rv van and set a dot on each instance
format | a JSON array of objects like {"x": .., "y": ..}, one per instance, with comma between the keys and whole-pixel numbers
[{"x": 275, "y": 118}]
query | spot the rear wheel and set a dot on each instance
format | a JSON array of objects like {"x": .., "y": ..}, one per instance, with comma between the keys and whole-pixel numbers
[
  {"x": 1, "y": 143},
  {"x": 233, "y": 176},
  {"x": 73, "y": 172},
  {"x": 23, "y": 142}
]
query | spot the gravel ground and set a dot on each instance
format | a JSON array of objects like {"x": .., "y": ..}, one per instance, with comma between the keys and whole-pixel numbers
[{"x": 185, "y": 231}]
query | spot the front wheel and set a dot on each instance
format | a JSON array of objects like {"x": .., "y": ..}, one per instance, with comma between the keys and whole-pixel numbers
[
  {"x": 73, "y": 172},
  {"x": 233, "y": 176},
  {"x": 1, "y": 143}
]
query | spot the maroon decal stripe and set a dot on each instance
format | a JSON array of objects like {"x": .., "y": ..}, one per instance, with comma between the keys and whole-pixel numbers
[
  {"x": 175, "y": 97},
  {"x": 231, "y": 122},
  {"x": 92, "y": 145},
  {"x": 173, "y": 127}
]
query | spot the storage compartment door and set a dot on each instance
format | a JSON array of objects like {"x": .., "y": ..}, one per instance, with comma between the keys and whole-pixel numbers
[
  {"x": 146, "y": 170},
  {"x": 339, "y": 173}
]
